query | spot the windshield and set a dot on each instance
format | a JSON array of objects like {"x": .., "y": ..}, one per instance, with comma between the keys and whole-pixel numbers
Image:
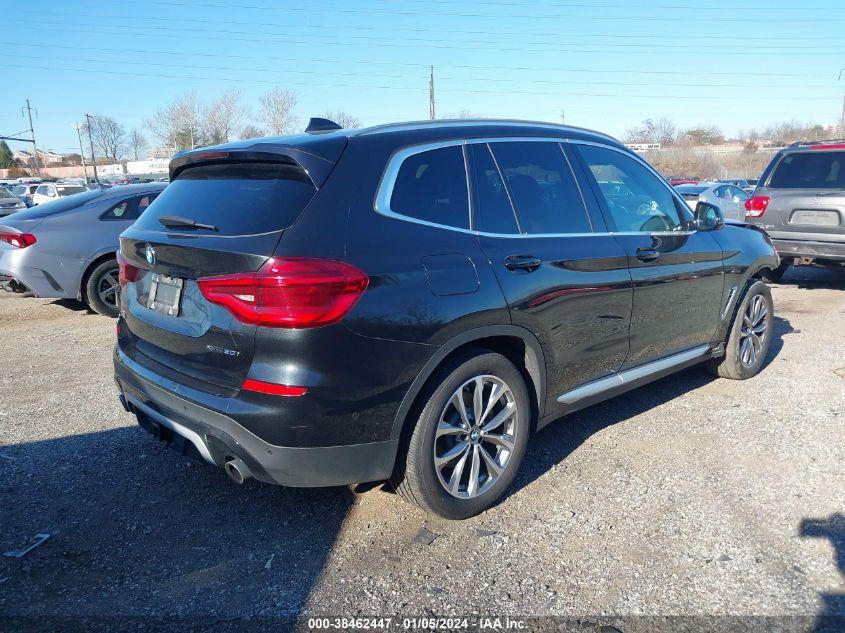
[
  {"x": 236, "y": 198},
  {"x": 810, "y": 170}
]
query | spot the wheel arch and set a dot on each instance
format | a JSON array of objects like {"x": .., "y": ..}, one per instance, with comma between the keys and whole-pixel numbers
[
  {"x": 89, "y": 268},
  {"x": 515, "y": 343}
]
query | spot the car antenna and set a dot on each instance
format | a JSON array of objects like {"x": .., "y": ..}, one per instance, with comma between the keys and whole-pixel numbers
[{"x": 317, "y": 124}]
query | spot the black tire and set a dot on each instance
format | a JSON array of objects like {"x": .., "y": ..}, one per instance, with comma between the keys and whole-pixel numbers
[
  {"x": 104, "y": 274},
  {"x": 734, "y": 363},
  {"x": 772, "y": 276},
  {"x": 416, "y": 478}
]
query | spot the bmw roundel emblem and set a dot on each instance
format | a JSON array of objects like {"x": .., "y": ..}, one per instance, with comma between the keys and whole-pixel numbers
[{"x": 150, "y": 253}]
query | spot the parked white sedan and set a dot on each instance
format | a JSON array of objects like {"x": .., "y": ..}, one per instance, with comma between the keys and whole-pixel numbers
[
  {"x": 49, "y": 191},
  {"x": 730, "y": 198}
]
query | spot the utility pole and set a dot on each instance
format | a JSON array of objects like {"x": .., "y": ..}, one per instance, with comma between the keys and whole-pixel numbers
[
  {"x": 91, "y": 142},
  {"x": 563, "y": 117},
  {"x": 842, "y": 116},
  {"x": 431, "y": 112},
  {"x": 29, "y": 109},
  {"x": 81, "y": 153}
]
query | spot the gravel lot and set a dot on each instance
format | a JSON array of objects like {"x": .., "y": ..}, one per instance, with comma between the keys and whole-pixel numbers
[{"x": 691, "y": 496}]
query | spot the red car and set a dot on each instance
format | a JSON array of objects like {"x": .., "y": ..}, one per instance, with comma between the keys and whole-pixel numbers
[{"x": 682, "y": 181}]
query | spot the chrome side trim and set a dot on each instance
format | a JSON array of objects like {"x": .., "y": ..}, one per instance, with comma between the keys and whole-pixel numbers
[
  {"x": 187, "y": 433},
  {"x": 729, "y": 302},
  {"x": 630, "y": 375},
  {"x": 384, "y": 192}
]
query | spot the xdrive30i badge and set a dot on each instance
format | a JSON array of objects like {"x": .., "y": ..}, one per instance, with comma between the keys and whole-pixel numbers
[{"x": 222, "y": 350}]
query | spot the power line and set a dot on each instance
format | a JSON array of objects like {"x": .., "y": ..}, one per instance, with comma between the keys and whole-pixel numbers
[
  {"x": 463, "y": 80},
  {"x": 495, "y": 67},
  {"x": 501, "y": 47},
  {"x": 704, "y": 17},
  {"x": 427, "y": 31},
  {"x": 413, "y": 88}
]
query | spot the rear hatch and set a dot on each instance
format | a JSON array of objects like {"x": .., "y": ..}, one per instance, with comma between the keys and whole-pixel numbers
[
  {"x": 240, "y": 203},
  {"x": 806, "y": 194}
]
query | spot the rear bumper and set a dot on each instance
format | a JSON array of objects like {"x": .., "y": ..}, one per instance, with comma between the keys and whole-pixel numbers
[
  {"x": 806, "y": 248},
  {"x": 197, "y": 428},
  {"x": 13, "y": 264}
]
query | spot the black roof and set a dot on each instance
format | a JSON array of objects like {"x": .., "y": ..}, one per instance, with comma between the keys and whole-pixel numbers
[{"x": 318, "y": 151}]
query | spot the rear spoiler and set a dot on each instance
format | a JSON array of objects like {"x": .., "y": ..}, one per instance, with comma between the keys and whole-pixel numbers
[{"x": 318, "y": 166}]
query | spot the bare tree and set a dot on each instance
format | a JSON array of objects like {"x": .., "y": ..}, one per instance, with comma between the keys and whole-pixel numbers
[
  {"x": 343, "y": 119},
  {"x": 177, "y": 125},
  {"x": 276, "y": 110},
  {"x": 108, "y": 136},
  {"x": 251, "y": 131},
  {"x": 137, "y": 143},
  {"x": 705, "y": 135},
  {"x": 222, "y": 116},
  {"x": 662, "y": 131}
]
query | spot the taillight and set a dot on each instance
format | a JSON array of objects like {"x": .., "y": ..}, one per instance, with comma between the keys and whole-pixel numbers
[
  {"x": 755, "y": 206},
  {"x": 18, "y": 240},
  {"x": 127, "y": 272},
  {"x": 289, "y": 292}
]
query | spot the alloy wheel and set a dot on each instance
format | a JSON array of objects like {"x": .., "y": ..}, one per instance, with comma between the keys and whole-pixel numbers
[
  {"x": 475, "y": 436},
  {"x": 107, "y": 288},
  {"x": 754, "y": 330}
]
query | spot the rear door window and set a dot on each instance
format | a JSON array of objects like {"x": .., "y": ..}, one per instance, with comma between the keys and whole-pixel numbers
[
  {"x": 237, "y": 198},
  {"x": 542, "y": 187},
  {"x": 432, "y": 186},
  {"x": 810, "y": 170}
]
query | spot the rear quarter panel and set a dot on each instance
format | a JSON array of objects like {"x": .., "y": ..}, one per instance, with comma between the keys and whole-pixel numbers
[{"x": 746, "y": 250}]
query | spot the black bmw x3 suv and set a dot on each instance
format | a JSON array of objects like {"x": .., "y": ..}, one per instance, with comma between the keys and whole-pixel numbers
[{"x": 410, "y": 302}]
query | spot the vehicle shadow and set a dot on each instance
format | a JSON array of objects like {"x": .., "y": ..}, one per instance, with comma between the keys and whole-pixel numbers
[
  {"x": 813, "y": 277},
  {"x": 73, "y": 304},
  {"x": 831, "y": 615},
  {"x": 562, "y": 437},
  {"x": 138, "y": 530}
]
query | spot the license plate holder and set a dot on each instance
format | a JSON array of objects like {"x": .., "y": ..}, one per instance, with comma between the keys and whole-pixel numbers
[
  {"x": 165, "y": 294},
  {"x": 815, "y": 217}
]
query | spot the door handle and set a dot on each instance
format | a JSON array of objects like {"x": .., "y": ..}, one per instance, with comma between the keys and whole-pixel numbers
[
  {"x": 647, "y": 254},
  {"x": 522, "y": 262}
]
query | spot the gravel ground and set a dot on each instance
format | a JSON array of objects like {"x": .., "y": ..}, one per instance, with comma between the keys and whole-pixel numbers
[{"x": 690, "y": 496}]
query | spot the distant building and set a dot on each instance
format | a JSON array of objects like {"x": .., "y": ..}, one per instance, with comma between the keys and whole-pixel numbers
[{"x": 27, "y": 159}]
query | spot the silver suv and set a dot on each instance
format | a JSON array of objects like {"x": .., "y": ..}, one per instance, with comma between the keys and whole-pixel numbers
[{"x": 800, "y": 203}]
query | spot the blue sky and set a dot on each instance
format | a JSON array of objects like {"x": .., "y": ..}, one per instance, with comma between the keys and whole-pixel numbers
[{"x": 606, "y": 64}]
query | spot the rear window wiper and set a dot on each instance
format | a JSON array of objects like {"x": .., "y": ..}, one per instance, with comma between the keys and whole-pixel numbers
[{"x": 174, "y": 221}]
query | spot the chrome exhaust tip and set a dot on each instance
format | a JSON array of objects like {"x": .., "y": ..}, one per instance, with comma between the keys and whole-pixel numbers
[{"x": 237, "y": 470}]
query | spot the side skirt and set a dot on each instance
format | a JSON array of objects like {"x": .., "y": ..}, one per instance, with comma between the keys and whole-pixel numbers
[{"x": 611, "y": 386}]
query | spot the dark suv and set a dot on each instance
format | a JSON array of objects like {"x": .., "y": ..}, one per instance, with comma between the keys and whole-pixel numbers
[
  {"x": 410, "y": 302},
  {"x": 800, "y": 202}
]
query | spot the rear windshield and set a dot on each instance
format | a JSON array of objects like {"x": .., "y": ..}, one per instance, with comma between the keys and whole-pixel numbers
[
  {"x": 69, "y": 190},
  {"x": 686, "y": 190},
  {"x": 810, "y": 170},
  {"x": 237, "y": 198},
  {"x": 57, "y": 206}
]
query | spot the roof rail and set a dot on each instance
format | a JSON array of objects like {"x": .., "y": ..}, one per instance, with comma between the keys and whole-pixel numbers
[{"x": 822, "y": 142}]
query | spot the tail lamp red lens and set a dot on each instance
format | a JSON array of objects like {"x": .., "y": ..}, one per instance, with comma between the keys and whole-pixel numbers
[
  {"x": 273, "y": 389},
  {"x": 755, "y": 206},
  {"x": 18, "y": 240},
  {"x": 127, "y": 272},
  {"x": 289, "y": 292}
]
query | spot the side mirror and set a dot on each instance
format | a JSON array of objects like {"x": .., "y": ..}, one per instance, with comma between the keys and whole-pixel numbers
[{"x": 708, "y": 217}]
